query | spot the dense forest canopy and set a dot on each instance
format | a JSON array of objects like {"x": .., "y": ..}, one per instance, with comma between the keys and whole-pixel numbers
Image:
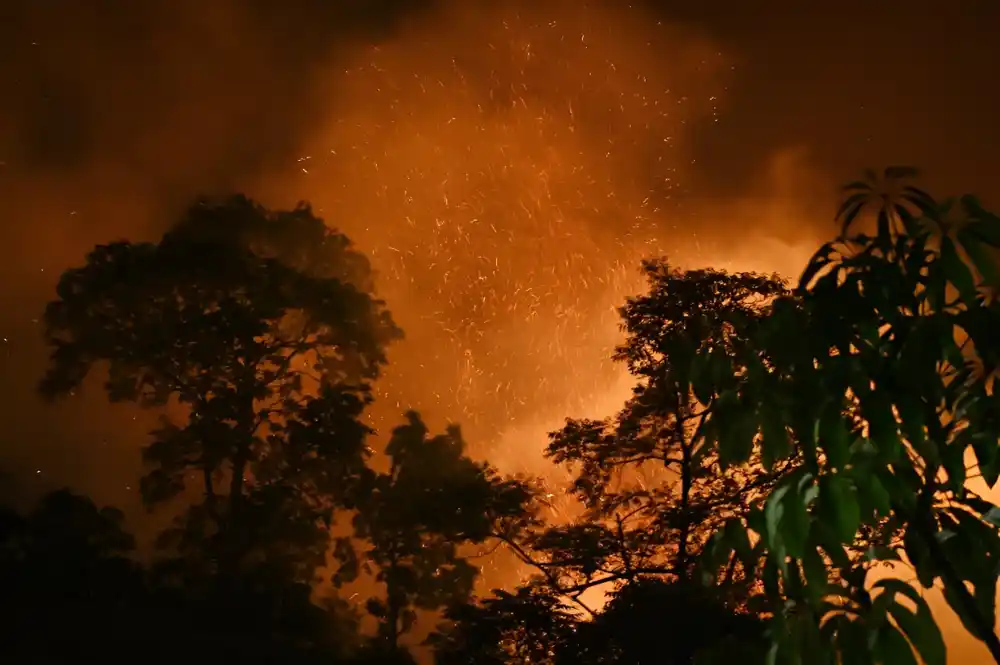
[{"x": 780, "y": 442}]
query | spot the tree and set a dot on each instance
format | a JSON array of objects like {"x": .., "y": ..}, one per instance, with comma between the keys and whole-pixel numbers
[
  {"x": 527, "y": 627},
  {"x": 896, "y": 329},
  {"x": 72, "y": 592},
  {"x": 663, "y": 622},
  {"x": 416, "y": 516},
  {"x": 64, "y": 567},
  {"x": 652, "y": 492},
  {"x": 262, "y": 328}
]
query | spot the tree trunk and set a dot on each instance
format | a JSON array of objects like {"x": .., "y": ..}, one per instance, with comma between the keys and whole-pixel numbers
[
  {"x": 393, "y": 607},
  {"x": 683, "y": 548}
]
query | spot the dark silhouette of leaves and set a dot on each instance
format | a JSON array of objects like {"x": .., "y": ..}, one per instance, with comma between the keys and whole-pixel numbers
[
  {"x": 883, "y": 366},
  {"x": 431, "y": 500},
  {"x": 261, "y": 326}
]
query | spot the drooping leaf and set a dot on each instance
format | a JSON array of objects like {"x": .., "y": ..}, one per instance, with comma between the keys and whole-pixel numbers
[
  {"x": 816, "y": 576},
  {"x": 795, "y": 520},
  {"x": 872, "y": 494},
  {"x": 850, "y": 209},
  {"x": 892, "y": 648},
  {"x": 957, "y": 271},
  {"x": 983, "y": 260},
  {"x": 834, "y": 436},
  {"x": 986, "y": 229},
  {"x": 839, "y": 503},
  {"x": 774, "y": 511},
  {"x": 776, "y": 444}
]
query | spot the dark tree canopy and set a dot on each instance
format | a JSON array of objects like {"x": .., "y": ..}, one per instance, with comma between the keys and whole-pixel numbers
[
  {"x": 261, "y": 326},
  {"x": 412, "y": 523},
  {"x": 73, "y": 593},
  {"x": 652, "y": 492},
  {"x": 894, "y": 332}
]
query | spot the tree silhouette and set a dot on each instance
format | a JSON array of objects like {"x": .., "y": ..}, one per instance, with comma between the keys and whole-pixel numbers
[
  {"x": 897, "y": 329},
  {"x": 653, "y": 492},
  {"x": 527, "y": 627},
  {"x": 261, "y": 327},
  {"x": 64, "y": 567},
  {"x": 658, "y": 622},
  {"x": 73, "y": 593},
  {"x": 418, "y": 513}
]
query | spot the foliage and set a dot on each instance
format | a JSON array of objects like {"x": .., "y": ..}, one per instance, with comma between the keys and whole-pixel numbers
[
  {"x": 668, "y": 623},
  {"x": 652, "y": 495},
  {"x": 896, "y": 328},
  {"x": 415, "y": 517},
  {"x": 260, "y": 326},
  {"x": 645, "y": 621},
  {"x": 72, "y": 593},
  {"x": 526, "y": 627},
  {"x": 652, "y": 492}
]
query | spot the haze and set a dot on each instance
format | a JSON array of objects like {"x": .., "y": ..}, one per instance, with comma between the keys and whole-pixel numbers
[{"x": 505, "y": 165}]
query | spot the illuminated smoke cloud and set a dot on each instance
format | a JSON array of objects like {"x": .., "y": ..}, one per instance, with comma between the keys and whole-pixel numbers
[{"x": 506, "y": 170}]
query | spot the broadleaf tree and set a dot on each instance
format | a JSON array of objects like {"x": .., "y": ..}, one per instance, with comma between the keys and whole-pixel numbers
[
  {"x": 651, "y": 493},
  {"x": 259, "y": 327},
  {"x": 895, "y": 329},
  {"x": 412, "y": 524}
]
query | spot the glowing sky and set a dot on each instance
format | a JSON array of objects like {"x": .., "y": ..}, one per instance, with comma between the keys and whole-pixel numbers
[{"x": 505, "y": 168}]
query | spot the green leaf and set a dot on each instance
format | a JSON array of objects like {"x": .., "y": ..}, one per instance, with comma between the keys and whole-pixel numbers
[
  {"x": 776, "y": 444},
  {"x": 852, "y": 642},
  {"x": 891, "y": 647},
  {"x": 820, "y": 260},
  {"x": 898, "y": 482},
  {"x": 882, "y": 426},
  {"x": 970, "y": 622},
  {"x": 911, "y": 417},
  {"x": 850, "y": 209},
  {"x": 737, "y": 437},
  {"x": 985, "y": 594},
  {"x": 988, "y": 458},
  {"x": 935, "y": 283},
  {"x": 953, "y": 460},
  {"x": 838, "y": 502},
  {"x": 986, "y": 230},
  {"x": 834, "y": 435},
  {"x": 958, "y": 272},
  {"x": 774, "y": 510},
  {"x": 979, "y": 535},
  {"x": 873, "y": 494},
  {"x": 701, "y": 377},
  {"x": 893, "y": 586},
  {"x": 735, "y": 534},
  {"x": 992, "y": 516},
  {"x": 882, "y": 221},
  {"x": 919, "y": 557},
  {"x": 982, "y": 258},
  {"x": 770, "y": 578},
  {"x": 828, "y": 540},
  {"x": 816, "y": 574},
  {"x": 795, "y": 520}
]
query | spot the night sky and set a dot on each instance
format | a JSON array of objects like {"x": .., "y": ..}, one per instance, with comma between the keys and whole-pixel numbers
[{"x": 116, "y": 114}]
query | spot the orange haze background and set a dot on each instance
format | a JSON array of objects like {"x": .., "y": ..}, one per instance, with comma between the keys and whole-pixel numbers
[{"x": 505, "y": 164}]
